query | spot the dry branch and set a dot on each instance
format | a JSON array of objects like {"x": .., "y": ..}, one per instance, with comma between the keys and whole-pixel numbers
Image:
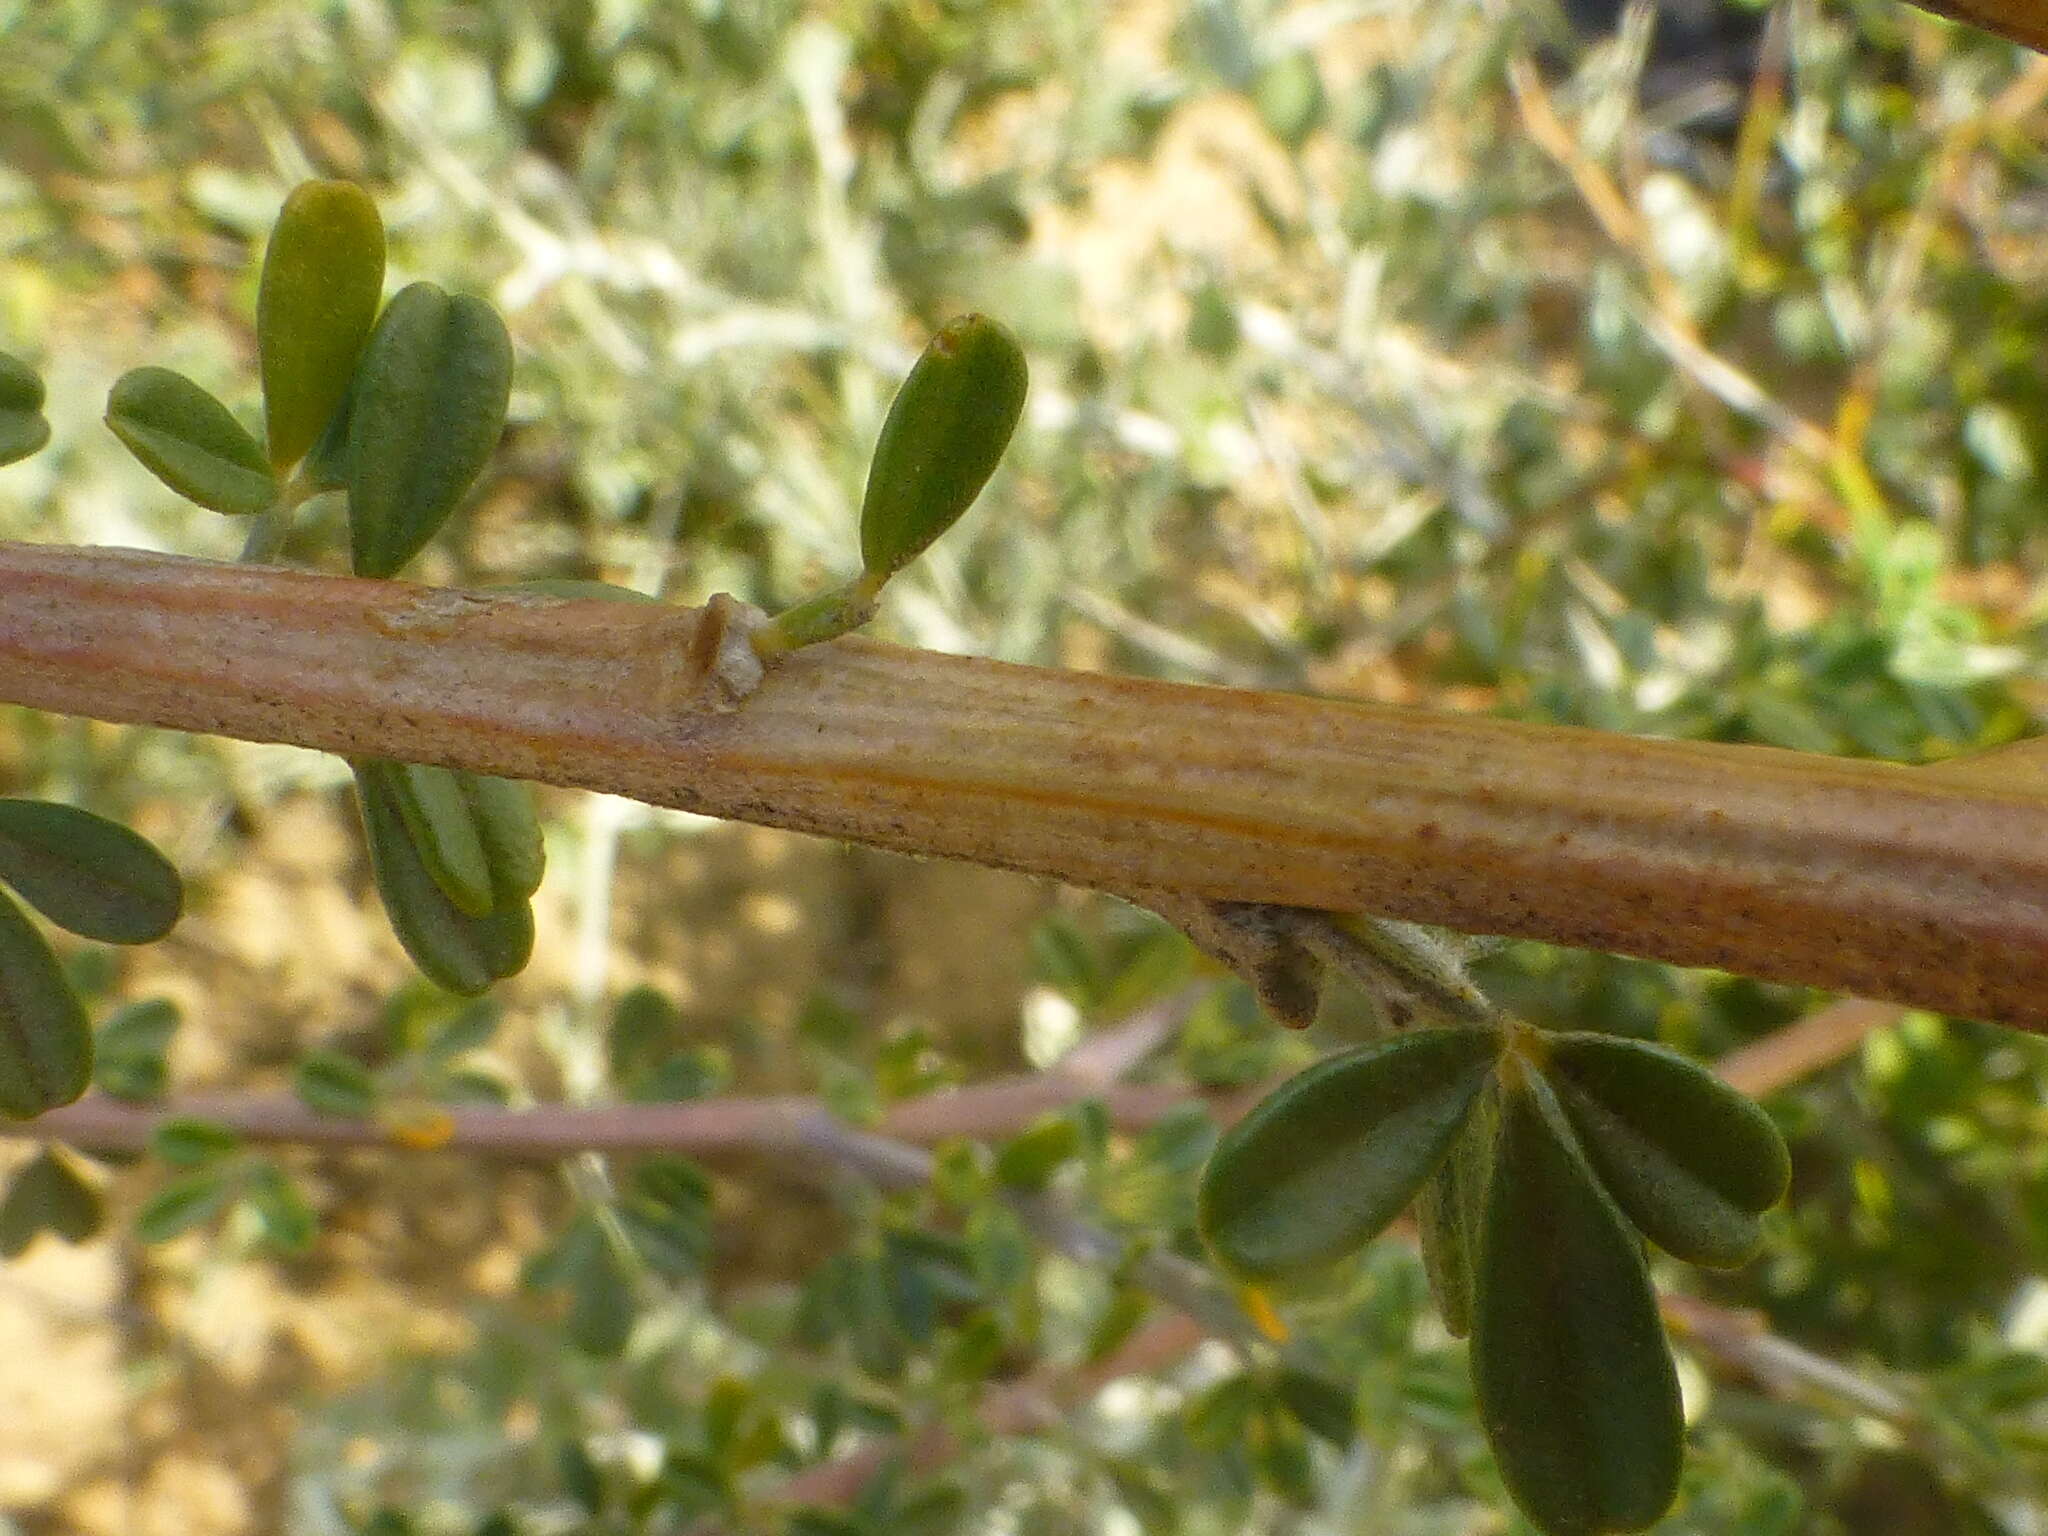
[{"x": 1918, "y": 886}]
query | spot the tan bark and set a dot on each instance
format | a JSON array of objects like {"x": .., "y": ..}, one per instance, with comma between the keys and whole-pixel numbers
[{"x": 1893, "y": 882}]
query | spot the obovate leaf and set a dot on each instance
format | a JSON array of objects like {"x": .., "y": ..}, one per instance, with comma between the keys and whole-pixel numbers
[
  {"x": 190, "y": 441},
  {"x": 1326, "y": 1160},
  {"x": 429, "y": 405},
  {"x": 22, "y": 428},
  {"x": 323, "y": 274},
  {"x": 45, "y": 1043},
  {"x": 1691, "y": 1161},
  {"x": 330, "y": 1083},
  {"x": 462, "y": 953},
  {"x": 87, "y": 874},
  {"x": 1576, "y": 1388},
  {"x": 946, "y": 429},
  {"x": 502, "y": 812},
  {"x": 1449, "y": 1212},
  {"x": 444, "y": 834},
  {"x": 48, "y": 1196}
]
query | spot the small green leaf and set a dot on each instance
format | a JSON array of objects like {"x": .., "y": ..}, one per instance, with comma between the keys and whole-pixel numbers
[
  {"x": 128, "y": 1060},
  {"x": 462, "y": 953},
  {"x": 1449, "y": 1212},
  {"x": 666, "y": 1209},
  {"x": 45, "y": 1043},
  {"x": 22, "y": 428},
  {"x": 600, "y": 1292},
  {"x": 281, "y": 1208},
  {"x": 1576, "y": 1388},
  {"x": 184, "y": 1141},
  {"x": 186, "y": 1202},
  {"x": 87, "y": 874},
  {"x": 502, "y": 812},
  {"x": 430, "y": 397},
  {"x": 323, "y": 274},
  {"x": 333, "y": 1084},
  {"x": 190, "y": 441},
  {"x": 326, "y": 466},
  {"x": 1032, "y": 1156},
  {"x": 1691, "y": 1161},
  {"x": 48, "y": 1196},
  {"x": 1326, "y": 1160},
  {"x": 444, "y": 834},
  {"x": 945, "y": 431}
]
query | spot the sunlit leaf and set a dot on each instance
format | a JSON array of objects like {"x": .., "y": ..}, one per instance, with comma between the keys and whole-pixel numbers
[
  {"x": 22, "y": 427},
  {"x": 323, "y": 273},
  {"x": 190, "y": 441},
  {"x": 945, "y": 432}
]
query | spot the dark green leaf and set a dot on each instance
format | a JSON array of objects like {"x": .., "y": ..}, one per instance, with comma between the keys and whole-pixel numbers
[
  {"x": 600, "y": 1292},
  {"x": 45, "y": 1043},
  {"x": 323, "y": 274},
  {"x": 22, "y": 428},
  {"x": 1691, "y": 1161},
  {"x": 1324, "y": 1407},
  {"x": 186, "y": 1202},
  {"x": 48, "y": 1196},
  {"x": 185, "y": 1141},
  {"x": 333, "y": 1084},
  {"x": 1449, "y": 1211},
  {"x": 946, "y": 429},
  {"x": 1326, "y": 1160},
  {"x": 429, "y": 405},
  {"x": 190, "y": 441},
  {"x": 88, "y": 874},
  {"x": 462, "y": 953},
  {"x": 1575, "y": 1383}
]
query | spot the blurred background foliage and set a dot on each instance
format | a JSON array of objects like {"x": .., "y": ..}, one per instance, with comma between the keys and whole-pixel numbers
[{"x": 1719, "y": 412}]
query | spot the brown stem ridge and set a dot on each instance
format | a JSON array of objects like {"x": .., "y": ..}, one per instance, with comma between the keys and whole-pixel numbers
[
  {"x": 2021, "y": 21},
  {"x": 1912, "y": 885}
]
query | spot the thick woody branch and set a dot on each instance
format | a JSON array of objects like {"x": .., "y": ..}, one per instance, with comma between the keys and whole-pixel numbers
[{"x": 1921, "y": 886}]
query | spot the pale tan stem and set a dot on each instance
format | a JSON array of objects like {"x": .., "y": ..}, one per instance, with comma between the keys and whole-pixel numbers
[{"x": 1867, "y": 877}]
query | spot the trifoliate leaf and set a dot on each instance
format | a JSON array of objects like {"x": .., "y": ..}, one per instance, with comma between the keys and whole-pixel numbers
[
  {"x": 945, "y": 431},
  {"x": 1325, "y": 1161},
  {"x": 190, "y": 441},
  {"x": 87, "y": 874},
  {"x": 323, "y": 274},
  {"x": 1576, "y": 1388},
  {"x": 22, "y": 427},
  {"x": 45, "y": 1043},
  {"x": 48, "y": 1196},
  {"x": 1691, "y": 1162},
  {"x": 430, "y": 397}
]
